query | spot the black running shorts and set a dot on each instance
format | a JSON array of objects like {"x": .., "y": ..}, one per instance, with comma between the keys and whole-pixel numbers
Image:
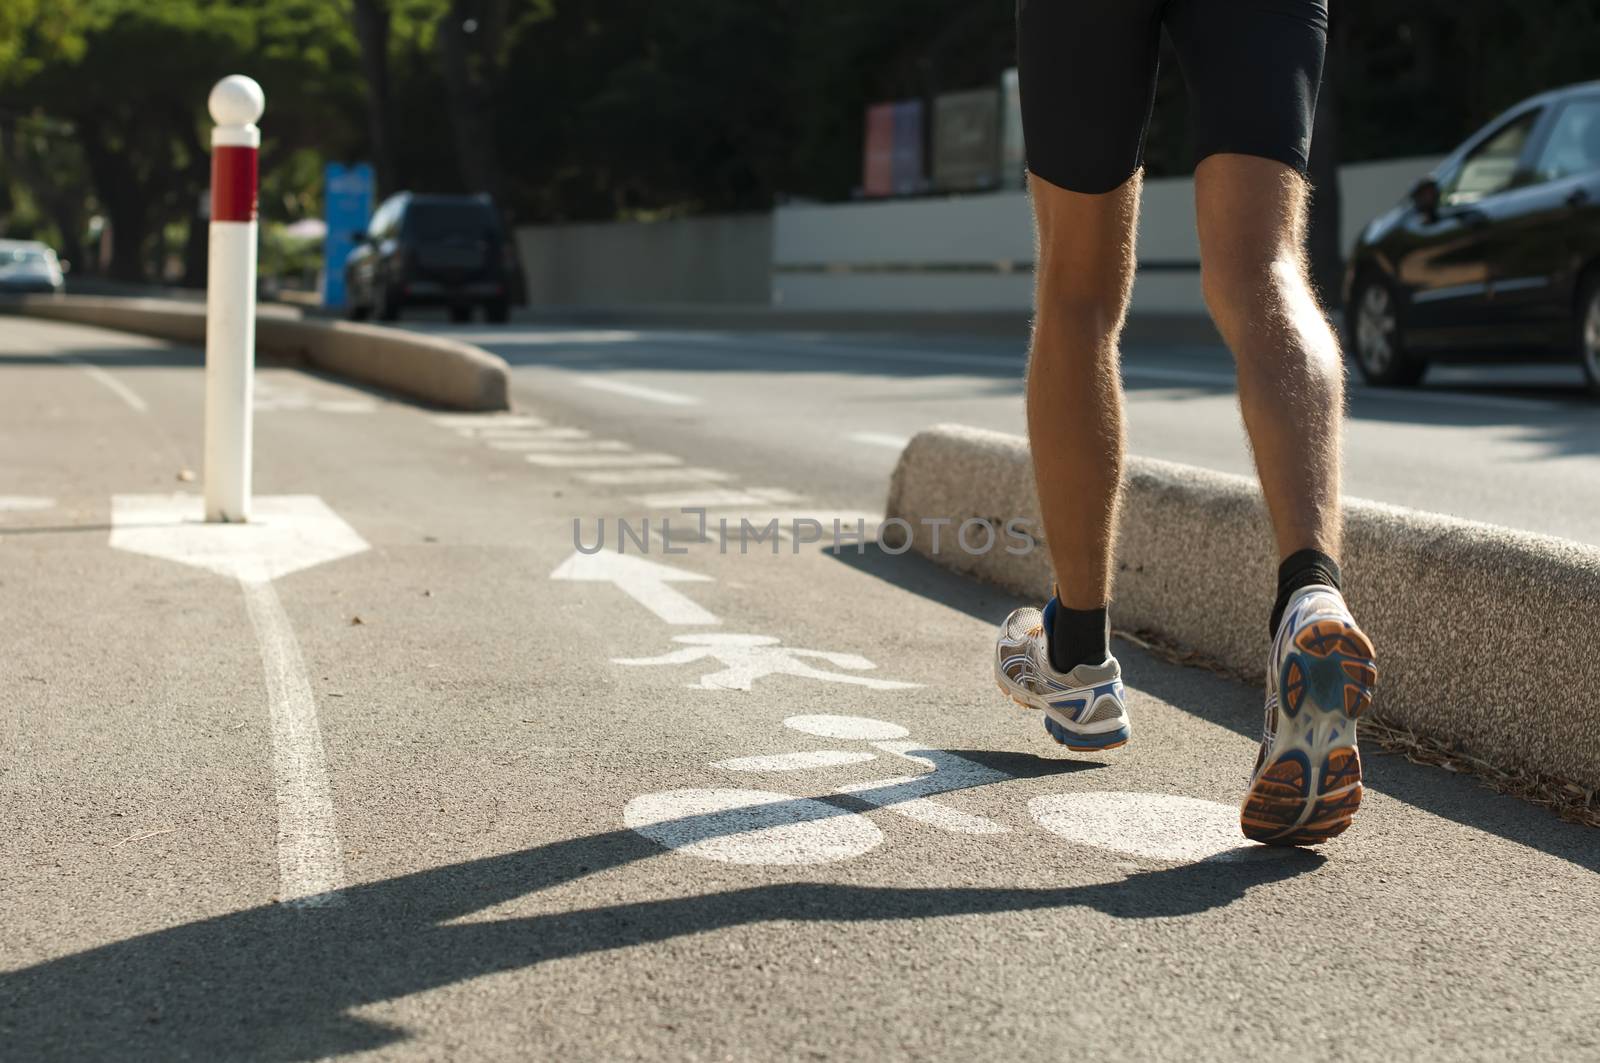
[{"x": 1088, "y": 74}]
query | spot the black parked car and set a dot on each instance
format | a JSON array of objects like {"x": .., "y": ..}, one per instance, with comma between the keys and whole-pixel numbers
[
  {"x": 431, "y": 251},
  {"x": 1496, "y": 255}
]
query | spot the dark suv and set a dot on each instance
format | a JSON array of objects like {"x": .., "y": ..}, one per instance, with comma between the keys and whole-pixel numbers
[
  {"x": 1495, "y": 255},
  {"x": 419, "y": 250}
]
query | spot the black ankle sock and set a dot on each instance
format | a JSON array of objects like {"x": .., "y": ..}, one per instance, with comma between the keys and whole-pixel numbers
[
  {"x": 1303, "y": 568},
  {"x": 1076, "y": 636}
]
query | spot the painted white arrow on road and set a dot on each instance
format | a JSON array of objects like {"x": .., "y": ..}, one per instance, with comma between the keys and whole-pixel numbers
[{"x": 646, "y": 582}]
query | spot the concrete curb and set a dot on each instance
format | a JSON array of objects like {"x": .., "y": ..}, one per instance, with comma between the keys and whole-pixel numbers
[
  {"x": 432, "y": 368},
  {"x": 1484, "y": 634}
]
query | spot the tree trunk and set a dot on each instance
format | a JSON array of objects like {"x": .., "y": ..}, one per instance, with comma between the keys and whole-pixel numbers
[
  {"x": 124, "y": 202},
  {"x": 1323, "y": 243},
  {"x": 468, "y": 59},
  {"x": 372, "y": 33},
  {"x": 197, "y": 230}
]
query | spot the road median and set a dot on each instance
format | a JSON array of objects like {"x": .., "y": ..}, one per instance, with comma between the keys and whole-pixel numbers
[
  {"x": 435, "y": 369},
  {"x": 1483, "y": 633}
]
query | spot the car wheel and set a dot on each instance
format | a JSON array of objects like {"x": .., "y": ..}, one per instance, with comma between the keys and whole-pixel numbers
[
  {"x": 1379, "y": 340},
  {"x": 1589, "y": 333},
  {"x": 497, "y": 313},
  {"x": 460, "y": 315}
]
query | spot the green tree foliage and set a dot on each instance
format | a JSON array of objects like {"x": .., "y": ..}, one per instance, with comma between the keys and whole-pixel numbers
[{"x": 125, "y": 82}]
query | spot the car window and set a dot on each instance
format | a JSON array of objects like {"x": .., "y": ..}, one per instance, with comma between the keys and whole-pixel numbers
[
  {"x": 443, "y": 221},
  {"x": 1574, "y": 144},
  {"x": 383, "y": 221},
  {"x": 1492, "y": 165}
]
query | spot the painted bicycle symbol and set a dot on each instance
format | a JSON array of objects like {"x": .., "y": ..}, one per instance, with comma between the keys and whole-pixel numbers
[{"x": 771, "y": 828}]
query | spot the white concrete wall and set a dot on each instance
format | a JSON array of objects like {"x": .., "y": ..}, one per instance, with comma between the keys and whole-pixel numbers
[
  {"x": 971, "y": 252},
  {"x": 940, "y": 253},
  {"x": 716, "y": 259}
]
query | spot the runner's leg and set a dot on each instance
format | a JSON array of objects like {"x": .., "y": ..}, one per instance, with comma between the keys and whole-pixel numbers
[
  {"x": 1083, "y": 277},
  {"x": 1253, "y": 68},
  {"x": 1252, "y": 215},
  {"x": 1087, "y": 70}
]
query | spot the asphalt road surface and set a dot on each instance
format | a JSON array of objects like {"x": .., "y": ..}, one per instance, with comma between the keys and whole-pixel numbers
[
  {"x": 394, "y": 772},
  {"x": 1517, "y": 446}
]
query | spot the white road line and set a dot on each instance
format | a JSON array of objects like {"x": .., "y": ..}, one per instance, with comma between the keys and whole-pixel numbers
[
  {"x": 1446, "y": 398},
  {"x": 600, "y": 461},
  {"x": 714, "y": 498},
  {"x": 637, "y": 391},
  {"x": 848, "y": 352},
  {"x": 24, "y": 503},
  {"x": 1357, "y": 390},
  {"x": 654, "y": 476},
  {"x": 493, "y": 432},
  {"x": 472, "y": 422},
  {"x": 538, "y": 433},
  {"x": 529, "y": 338},
  {"x": 111, "y": 383},
  {"x": 284, "y": 535},
  {"x": 562, "y": 445},
  {"x": 849, "y": 522},
  {"x": 815, "y": 758},
  {"x": 880, "y": 439},
  {"x": 310, "y": 864},
  {"x": 857, "y": 353}
]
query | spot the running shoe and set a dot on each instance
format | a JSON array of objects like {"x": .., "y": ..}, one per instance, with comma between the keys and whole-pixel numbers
[
  {"x": 1083, "y": 709},
  {"x": 1307, "y": 781}
]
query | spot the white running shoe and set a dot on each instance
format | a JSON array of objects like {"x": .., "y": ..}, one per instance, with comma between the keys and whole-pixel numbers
[
  {"x": 1320, "y": 676},
  {"x": 1083, "y": 709}
]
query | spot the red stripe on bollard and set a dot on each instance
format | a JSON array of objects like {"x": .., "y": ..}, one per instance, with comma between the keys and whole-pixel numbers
[{"x": 233, "y": 183}]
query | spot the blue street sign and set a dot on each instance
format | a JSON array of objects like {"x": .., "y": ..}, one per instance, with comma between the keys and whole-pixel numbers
[{"x": 347, "y": 191}]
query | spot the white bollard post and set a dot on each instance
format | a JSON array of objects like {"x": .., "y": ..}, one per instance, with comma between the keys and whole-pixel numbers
[{"x": 236, "y": 104}]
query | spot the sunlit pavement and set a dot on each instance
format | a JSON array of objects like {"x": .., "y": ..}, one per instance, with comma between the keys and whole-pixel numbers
[{"x": 440, "y": 785}]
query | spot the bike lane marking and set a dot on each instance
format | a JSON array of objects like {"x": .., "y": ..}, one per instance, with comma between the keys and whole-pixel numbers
[
  {"x": 1157, "y": 826},
  {"x": 751, "y": 827},
  {"x": 646, "y": 582},
  {"x": 286, "y": 534}
]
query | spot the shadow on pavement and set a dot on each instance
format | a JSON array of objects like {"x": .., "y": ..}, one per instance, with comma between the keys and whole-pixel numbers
[
  {"x": 156, "y": 356},
  {"x": 276, "y": 983},
  {"x": 1023, "y": 765},
  {"x": 910, "y": 571},
  {"x": 1228, "y": 704}
]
